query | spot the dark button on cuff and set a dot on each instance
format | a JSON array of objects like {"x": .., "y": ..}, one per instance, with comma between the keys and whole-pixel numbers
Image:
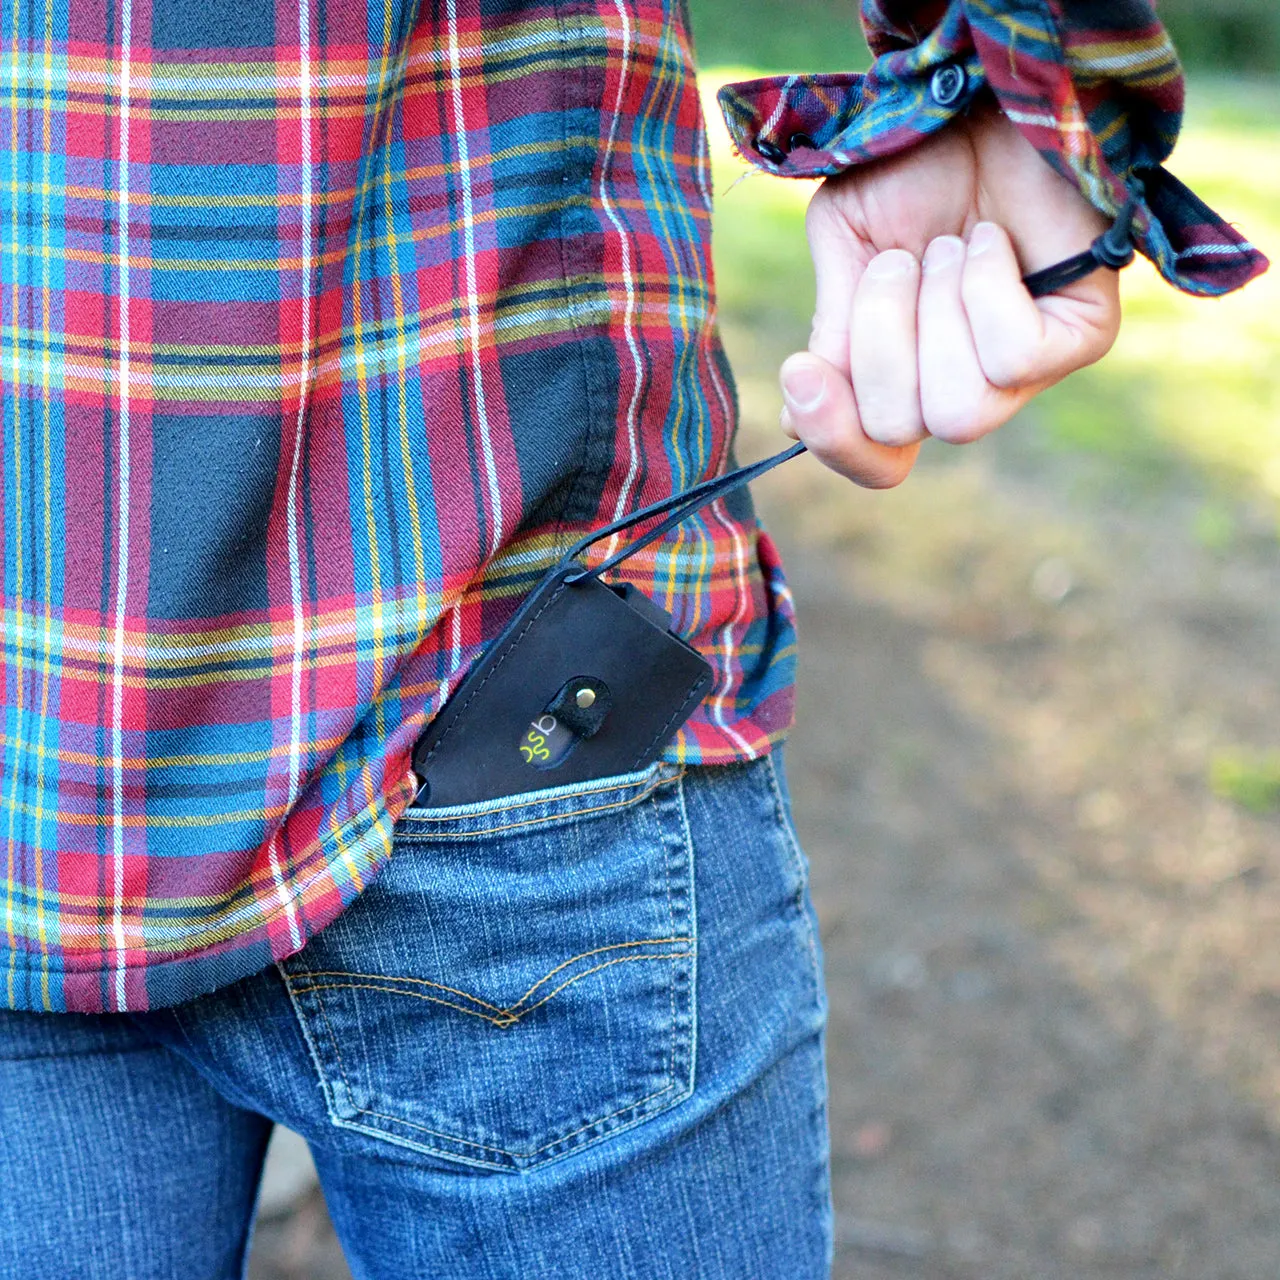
[
  {"x": 948, "y": 84},
  {"x": 773, "y": 153},
  {"x": 801, "y": 141}
]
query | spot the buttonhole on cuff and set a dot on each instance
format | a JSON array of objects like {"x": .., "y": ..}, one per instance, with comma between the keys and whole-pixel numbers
[{"x": 773, "y": 153}]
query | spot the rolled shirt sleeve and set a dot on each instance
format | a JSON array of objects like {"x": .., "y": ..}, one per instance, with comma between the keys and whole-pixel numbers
[{"x": 1094, "y": 85}]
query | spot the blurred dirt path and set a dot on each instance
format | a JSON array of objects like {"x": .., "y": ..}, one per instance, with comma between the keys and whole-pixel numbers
[
  {"x": 1051, "y": 950},
  {"x": 991, "y": 1116}
]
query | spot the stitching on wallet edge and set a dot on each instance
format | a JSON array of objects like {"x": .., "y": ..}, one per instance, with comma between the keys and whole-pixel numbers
[
  {"x": 694, "y": 690},
  {"x": 506, "y": 653}
]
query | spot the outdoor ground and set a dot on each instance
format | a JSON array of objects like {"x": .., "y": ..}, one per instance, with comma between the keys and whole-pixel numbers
[{"x": 1035, "y": 771}]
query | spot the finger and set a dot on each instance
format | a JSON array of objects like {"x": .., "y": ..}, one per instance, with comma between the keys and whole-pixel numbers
[
  {"x": 1020, "y": 343},
  {"x": 839, "y": 258},
  {"x": 821, "y": 410},
  {"x": 1044, "y": 214},
  {"x": 883, "y": 359},
  {"x": 957, "y": 402}
]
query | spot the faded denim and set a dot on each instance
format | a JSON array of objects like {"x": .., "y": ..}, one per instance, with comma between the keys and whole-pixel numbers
[{"x": 571, "y": 1034}]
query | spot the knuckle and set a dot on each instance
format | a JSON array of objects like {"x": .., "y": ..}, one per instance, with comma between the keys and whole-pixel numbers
[
  {"x": 822, "y": 218},
  {"x": 888, "y": 422},
  {"x": 1108, "y": 336},
  {"x": 954, "y": 423},
  {"x": 843, "y": 449},
  {"x": 891, "y": 474},
  {"x": 1009, "y": 365},
  {"x": 1090, "y": 341},
  {"x": 897, "y": 435},
  {"x": 820, "y": 205}
]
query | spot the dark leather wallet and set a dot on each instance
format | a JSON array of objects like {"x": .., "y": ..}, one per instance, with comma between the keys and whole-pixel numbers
[{"x": 586, "y": 681}]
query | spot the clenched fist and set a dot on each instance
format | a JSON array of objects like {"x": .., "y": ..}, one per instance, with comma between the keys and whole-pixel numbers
[{"x": 922, "y": 325}]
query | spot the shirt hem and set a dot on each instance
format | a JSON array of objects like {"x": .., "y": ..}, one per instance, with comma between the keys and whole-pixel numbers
[{"x": 231, "y": 959}]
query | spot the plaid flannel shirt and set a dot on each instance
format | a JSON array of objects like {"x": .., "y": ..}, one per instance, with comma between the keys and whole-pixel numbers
[{"x": 324, "y": 329}]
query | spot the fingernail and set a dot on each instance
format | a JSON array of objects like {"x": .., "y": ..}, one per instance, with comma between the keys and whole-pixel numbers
[
  {"x": 891, "y": 263},
  {"x": 943, "y": 252},
  {"x": 803, "y": 385},
  {"x": 982, "y": 238},
  {"x": 788, "y": 427}
]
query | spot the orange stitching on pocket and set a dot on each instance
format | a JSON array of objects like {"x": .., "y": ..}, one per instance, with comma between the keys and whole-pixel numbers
[
  {"x": 395, "y": 977},
  {"x": 668, "y": 955},
  {"x": 657, "y": 782},
  {"x": 507, "y": 1017},
  {"x": 617, "y": 946},
  {"x": 499, "y": 1021},
  {"x": 466, "y": 995}
]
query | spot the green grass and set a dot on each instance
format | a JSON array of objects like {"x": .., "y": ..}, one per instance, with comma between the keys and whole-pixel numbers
[
  {"x": 1250, "y": 780},
  {"x": 1242, "y": 35},
  {"x": 802, "y": 35}
]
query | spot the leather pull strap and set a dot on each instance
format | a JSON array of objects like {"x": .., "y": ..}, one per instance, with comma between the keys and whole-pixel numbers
[
  {"x": 1114, "y": 249},
  {"x": 677, "y": 508}
]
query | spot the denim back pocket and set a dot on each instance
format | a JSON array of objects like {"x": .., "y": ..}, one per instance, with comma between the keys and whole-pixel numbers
[{"x": 519, "y": 981}]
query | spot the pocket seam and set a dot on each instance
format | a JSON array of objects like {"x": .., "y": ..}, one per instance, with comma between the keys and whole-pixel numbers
[
  {"x": 660, "y": 779},
  {"x": 466, "y": 995},
  {"x": 672, "y": 1083},
  {"x": 798, "y": 862}
]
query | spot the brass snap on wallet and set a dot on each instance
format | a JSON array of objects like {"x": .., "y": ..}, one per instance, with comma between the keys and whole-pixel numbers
[{"x": 586, "y": 681}]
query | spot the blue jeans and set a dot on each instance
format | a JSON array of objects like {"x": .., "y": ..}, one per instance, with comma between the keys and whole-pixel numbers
[{"x": 571, "y": 1034}]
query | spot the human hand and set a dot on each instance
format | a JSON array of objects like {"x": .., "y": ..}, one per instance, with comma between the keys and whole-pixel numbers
[{"x": 922, "y": 325}]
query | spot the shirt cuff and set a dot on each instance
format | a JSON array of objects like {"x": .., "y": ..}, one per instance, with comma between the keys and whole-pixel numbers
[{"x": 820, "y": 125}]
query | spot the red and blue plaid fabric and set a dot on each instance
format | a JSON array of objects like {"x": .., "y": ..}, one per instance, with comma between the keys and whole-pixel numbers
[
  {"x": 325, "y": 328},
  {"x": 1095, "y": 86}
]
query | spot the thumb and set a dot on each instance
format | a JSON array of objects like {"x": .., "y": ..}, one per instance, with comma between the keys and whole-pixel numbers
[{"x": 821, "y": 411}]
